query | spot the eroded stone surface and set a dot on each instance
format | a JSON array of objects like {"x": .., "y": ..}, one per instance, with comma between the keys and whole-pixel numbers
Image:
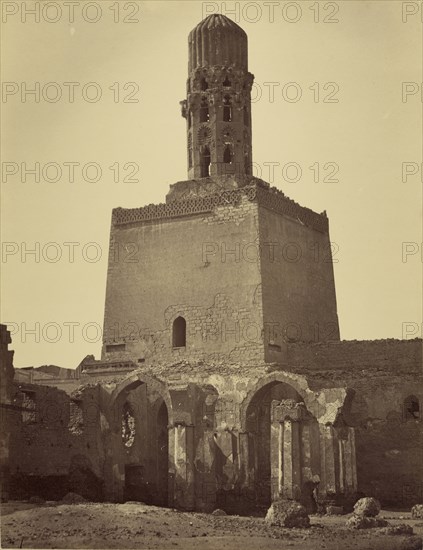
[
  {"x": 285, "y": 513},
  {"x": 367, "y": 506},
  {"x": 365, "y": 522}
]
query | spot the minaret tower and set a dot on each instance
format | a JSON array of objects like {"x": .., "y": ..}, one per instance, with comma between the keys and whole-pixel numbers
[{"x": 218, "y": 104}]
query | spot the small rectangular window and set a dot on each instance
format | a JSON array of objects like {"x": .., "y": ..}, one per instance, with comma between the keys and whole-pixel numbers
[{"x": 115, "y": 347}]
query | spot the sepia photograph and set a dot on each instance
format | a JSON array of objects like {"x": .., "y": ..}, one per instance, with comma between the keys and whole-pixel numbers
[{"x": 211, "y": 330}]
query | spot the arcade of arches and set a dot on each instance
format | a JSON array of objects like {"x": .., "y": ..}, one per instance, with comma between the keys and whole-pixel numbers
[{"x": 191, "y": 448}]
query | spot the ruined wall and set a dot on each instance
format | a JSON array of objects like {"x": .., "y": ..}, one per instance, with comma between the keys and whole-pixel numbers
[
  {"x": 55, "y": 443},
  {"x": 190, "y": 267},
  {"x": 143, "y": 445},
  {"x": 191, "y": 430},
  {"x": 299, "y": 301},
  {"x": 6, "y": 395},
  {"x": 211, "y": 453},
  {"x": 389, "y": 440}
]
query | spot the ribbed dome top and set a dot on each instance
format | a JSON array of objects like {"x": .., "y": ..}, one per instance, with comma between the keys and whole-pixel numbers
[{"x": 217, "y": 40}]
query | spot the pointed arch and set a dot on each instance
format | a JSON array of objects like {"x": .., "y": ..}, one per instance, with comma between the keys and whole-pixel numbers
[
  {"x": 179, "y": 333},
  {"x": 204, "y": 110},
  {"x": 205, "y": 162},
  {"x": 227, "y": 108},
  {"x": 227, "y": 154}
]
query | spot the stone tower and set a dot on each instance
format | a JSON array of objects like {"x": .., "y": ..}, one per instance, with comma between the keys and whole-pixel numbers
[
  {"x": 228, "y": 268},
  {"x": 218, "y": 104}
]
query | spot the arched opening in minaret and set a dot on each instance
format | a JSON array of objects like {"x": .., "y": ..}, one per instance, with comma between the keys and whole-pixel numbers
[
  {"x": 204, "y": 110},
  {"x": 227, "y": 83},
  {"x": 204, "y": 84},
  {"x": 179, "y": 332},
  {"x": 246, "y": 117},
  {"x": 227, "y": 109},
  {"x": 189, "y": 119},
  {"x": 227, "y": 154},
  {"x": 205, "y": 162},
  {"x": 189, "y": 158}
]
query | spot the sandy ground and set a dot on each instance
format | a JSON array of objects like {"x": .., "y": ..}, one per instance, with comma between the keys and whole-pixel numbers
[{"x": 135, "y": 525}]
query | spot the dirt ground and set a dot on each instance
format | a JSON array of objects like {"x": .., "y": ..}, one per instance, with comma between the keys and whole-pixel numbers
[{"x": 135, "y": 525}]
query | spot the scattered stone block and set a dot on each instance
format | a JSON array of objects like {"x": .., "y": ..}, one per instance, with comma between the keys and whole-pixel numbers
[
  {"x": 417, "y": 511},
  {"x": 219, "y": 512},
  {"x": 334, "y": 510},
  {"x": 287, "y": 513},
  {"x": 365, "y": 522},
  {"x": 367, "y": 507}
]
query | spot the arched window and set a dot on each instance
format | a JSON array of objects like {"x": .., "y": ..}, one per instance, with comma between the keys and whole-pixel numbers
[
  {"x": 179, "y": 333},
  {"x": 128, "y": 425},
  {"x": 205, "y": 162},
  {"x": 227, "y": 154},
  {"x": 411, "y": 408},
  {"x": 204, "y": 84},
  {"x": 204, "y": 111},
  {"x": 189, "y": 118},
  {"x": 227, "y": 82},
  {"x": 227, "y": 109},
  {"x": 189, "y": 158}
]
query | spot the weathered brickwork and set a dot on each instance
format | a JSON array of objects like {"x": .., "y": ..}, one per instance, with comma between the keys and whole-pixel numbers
[
  {"x": 382, "y": 375},
  {"x": 235, "y": 214},
  {"x": 234, "y": 250},
  {"x": 215, "y": 291},
  {"x": 55, "y": 442}
]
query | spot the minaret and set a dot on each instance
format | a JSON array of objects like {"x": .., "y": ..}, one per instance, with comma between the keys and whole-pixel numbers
[{"x": 218, "y": 104}]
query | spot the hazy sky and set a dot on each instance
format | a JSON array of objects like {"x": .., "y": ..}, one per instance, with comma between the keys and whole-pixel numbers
[{"x": 356, "y": 52}]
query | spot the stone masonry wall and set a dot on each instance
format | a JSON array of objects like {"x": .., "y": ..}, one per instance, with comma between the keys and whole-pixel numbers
[
  {"x": 383, "y": 374},
  {"x": 299, "y": 301},
  {"x": 190, "y": 267}
]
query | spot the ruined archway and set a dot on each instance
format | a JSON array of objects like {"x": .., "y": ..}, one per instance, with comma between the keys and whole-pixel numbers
[
  {"x": 279, "y": 429},
  {"x": 137, "y": 451},
  {"x": 298, "y": 444}
]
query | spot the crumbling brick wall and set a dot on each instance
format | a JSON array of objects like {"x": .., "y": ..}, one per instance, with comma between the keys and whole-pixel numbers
[
  {"x": 55, "y": 443},
  {"x": 383, "y": 374}
]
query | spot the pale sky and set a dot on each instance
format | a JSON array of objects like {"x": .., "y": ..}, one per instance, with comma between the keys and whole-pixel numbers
[{"x": 368, "y": 50}]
